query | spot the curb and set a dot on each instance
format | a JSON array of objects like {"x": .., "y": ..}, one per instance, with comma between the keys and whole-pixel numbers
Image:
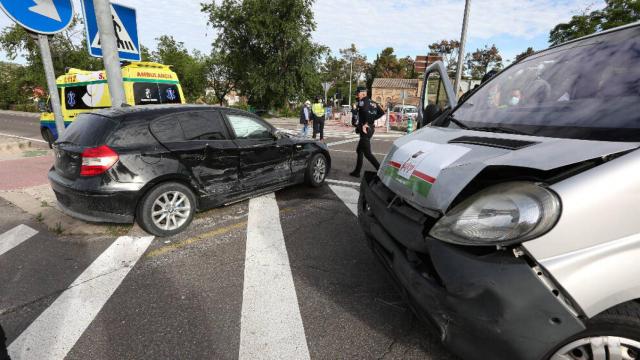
[{"x": 20, "y": 113}]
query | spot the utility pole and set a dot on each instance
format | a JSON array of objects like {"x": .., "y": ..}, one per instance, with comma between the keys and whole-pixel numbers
[
  {"x": 110, "y": 56},
  {"x": 350, "y": 80},
  {"x": 43, "y": 40},
  {"x": 463, "y": 41}
]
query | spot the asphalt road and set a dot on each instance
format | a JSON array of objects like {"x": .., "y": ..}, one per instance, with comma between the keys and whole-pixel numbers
[
  {"x": 20, "y": 125},
  {"x": 302, "y": 274}
]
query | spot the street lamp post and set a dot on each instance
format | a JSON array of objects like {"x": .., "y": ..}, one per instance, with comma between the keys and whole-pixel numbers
[
  {"x": 350, "y": 80},
  {"x": 463, "y": 41}
]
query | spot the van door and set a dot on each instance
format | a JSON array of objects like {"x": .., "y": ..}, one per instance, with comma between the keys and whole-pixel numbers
[{"x": 437, "y": 94}]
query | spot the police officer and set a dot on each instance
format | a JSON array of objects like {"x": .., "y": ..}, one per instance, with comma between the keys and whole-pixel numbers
[
  {"x": 318, "y": 118},
  {"x": 368, "y": 113}
]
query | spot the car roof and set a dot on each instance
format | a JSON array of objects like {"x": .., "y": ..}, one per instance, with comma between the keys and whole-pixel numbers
[{"x": 155, "y": 111}]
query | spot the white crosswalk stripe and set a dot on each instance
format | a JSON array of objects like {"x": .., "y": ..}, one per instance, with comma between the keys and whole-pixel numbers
[
  {"x": 15, "y": 237},
  {"x": 348, "y": 195},
  {"x": 52, "y": 335},
  {"x": 271, "y": 325}
]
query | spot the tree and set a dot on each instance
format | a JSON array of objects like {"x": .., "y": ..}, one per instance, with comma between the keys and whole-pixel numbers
[
  {"x": 190, "y": 68},
  {"x": 218, "y": 75},
  {"x": 68, "y": 49},
  {"x": 448, "y": 50},
  {"x": 268, "y": 45},
  {"x": 615, "y": 13},
  {"x": 387, "y": 65},
  {"x": 525, "y": 54},
  {"x": 483, "y": 60}
]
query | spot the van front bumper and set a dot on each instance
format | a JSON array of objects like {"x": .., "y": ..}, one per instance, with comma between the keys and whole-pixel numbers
[{"x": 484, "y": 304}]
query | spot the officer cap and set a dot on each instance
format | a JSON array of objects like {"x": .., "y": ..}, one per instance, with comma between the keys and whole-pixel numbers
[{"x": 360, "y": 89}]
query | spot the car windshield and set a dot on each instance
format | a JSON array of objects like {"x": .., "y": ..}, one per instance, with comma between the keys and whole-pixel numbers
[{"x": 588, "y": 89}]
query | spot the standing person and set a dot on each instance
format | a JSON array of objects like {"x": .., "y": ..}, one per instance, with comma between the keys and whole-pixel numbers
[
  {"x": 318, "y": 118},
  {"x": 305, "y": 118},
  {"x": 368, "y": 113}
]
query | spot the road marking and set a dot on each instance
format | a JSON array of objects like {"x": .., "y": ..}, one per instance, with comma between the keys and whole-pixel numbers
[
  {"x": 15, "y": 237},
  {"x": 23, "y": 138},
  {"x": 349, "y": 197},
  {"x": 205, "y": 236},
  {"x": 271, "y": 325},
  {"x": 340, "y": 182},
  {"x": 348, "y": 141},
  {"x": 58, "y": 328},
  {"x": 353, "y": 152}
]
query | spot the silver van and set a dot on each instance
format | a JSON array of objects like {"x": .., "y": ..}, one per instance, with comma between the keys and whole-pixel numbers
[{"x": 511, "y": 221}]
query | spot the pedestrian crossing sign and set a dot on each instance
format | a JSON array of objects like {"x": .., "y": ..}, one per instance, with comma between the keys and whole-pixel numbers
[{"x": 125, "y": 26}]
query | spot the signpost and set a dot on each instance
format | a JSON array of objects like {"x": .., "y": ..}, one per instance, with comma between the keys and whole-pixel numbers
[
  {"x": 112, "y": 33},
  {"x": 44, "y": 17},
  {"x": 123, "y": 21}
]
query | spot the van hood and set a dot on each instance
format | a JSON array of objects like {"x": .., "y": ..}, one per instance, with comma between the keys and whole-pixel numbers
[{"x": 432, "y": 166}]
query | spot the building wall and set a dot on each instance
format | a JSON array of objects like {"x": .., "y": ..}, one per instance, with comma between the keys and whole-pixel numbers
[{"x": 386, "y": 95}]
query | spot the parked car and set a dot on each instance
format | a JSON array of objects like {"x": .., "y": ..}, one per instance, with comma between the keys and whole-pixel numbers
[
  {"x": 405, "y": 112},
  {"x": 511, "y": 221},
  {"x": 160, "y": 164}
]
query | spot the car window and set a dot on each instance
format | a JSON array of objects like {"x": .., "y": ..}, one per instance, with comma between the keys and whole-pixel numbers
[
  {"x": 203, "y": 125},
  {"x": 88, "y": 130},
  {"x": 146, "y": 94},
  {"x": 589, "y": 89},
  {"x": 132, "y": 134},
  {"x": 435, "y": 92},
  {"x": 249, "y": 128},
  {"x": 169, "y": 94},
  {"x": 85, "y": 97},
  {"x": 167, "y": 129}
]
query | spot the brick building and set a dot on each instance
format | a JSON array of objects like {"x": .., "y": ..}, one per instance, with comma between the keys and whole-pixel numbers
[
  {"x": 424, "y": 61},
  {"x": 384, "y": 91}
]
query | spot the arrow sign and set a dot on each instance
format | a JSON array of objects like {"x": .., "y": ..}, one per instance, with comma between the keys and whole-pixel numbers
[
  {"x": 125, "y": 26},
  {"x": 46, "y": 8},
  {"x": 40, "y": 16}
]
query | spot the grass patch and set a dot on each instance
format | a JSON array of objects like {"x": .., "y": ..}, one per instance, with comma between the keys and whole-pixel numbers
[
  {"x": 118, "y": 230},
  {"x": 58, "y": 229},
  {"x": 39, "y": 218},
  {"x": 34, "y": 153},
  {"x": 44, "y": 204}
]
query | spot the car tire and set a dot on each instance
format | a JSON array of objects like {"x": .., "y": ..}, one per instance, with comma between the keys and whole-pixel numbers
[
  {"x": 167, "y": 209},
  {"x": 621, "y": 323},
  {"x": 47, "y": 135},
  {"x": 317, "y": 170}
]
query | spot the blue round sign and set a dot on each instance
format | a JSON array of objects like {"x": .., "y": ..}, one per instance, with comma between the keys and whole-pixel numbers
[{"x": 40, "y": 16}]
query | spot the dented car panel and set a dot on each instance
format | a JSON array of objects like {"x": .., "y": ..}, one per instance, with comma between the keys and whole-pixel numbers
[{"x": 452, "y": 165}]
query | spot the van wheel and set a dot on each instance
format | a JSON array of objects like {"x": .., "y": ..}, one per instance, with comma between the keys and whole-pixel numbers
[
  {"x": 167, "y": 209},
  {"x": 47, "y": 135},
  {"x": 614, "y": 334},
  {"x": 316, "y": 170}
]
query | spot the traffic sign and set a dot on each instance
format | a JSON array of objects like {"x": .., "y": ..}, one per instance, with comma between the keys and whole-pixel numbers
[
  {"x": 40, "y": 16},
  {"x": 125, "y": 25}
]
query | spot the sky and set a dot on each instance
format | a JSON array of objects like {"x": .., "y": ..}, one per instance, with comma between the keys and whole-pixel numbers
[{"x": 407, "y": 26}]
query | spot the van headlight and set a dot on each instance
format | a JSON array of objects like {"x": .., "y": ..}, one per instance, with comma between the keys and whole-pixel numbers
[{"x": 504, "y": 214}]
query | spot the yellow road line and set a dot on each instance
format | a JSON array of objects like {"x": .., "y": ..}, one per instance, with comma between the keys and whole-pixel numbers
[{"x": 208, "y": 235}]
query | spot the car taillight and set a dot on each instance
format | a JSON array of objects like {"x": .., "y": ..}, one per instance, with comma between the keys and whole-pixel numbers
[{"x": 96, "y": 161}]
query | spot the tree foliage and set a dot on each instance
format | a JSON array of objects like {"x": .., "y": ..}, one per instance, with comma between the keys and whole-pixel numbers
[
  {"x": 615, "y": 13},
  {"x": 483, "y": 60},
  {"x": 525, "y": 54},
  {"x": 190, "y": 67},
  {"x": 68, "y": 49},
  {"x": 268, "y": 44},
  {"x": 448, "y": 50},
  {"x": 387, "y": 65},
  {"x": 219, "y": 78}
]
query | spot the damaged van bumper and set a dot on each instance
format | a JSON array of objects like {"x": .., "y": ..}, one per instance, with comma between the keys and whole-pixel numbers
[{"x": 484, "y": 304}]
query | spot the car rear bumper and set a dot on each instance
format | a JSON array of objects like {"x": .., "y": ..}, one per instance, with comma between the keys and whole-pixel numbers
[
  {"x": 93, "y": 206},
  {"x": 483, "y": 304}
]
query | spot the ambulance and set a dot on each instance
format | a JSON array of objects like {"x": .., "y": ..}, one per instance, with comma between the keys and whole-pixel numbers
[{"x": 145, "y": 83}]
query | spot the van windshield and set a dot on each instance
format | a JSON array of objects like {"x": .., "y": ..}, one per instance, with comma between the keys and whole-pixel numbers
[{"x": 588, "y": 89}]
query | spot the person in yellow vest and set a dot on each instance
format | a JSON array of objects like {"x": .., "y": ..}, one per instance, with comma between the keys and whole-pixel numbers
[{"x": 317, "y": 109}]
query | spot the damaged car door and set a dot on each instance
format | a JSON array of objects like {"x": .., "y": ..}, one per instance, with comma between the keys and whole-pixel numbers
[
  {"x": 202, "y": 145},
  {"x": 264, "y": 159}
]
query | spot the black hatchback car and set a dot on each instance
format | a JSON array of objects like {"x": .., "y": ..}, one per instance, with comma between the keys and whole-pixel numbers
[{"x": 158, "y": 165}]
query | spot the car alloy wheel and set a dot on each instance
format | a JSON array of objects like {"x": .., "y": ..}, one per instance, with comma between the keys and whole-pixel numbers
[
  {"x": 319, "y": 169},
  {"x": 599, "y": 348},
  {"x": 171, "y": 210}
]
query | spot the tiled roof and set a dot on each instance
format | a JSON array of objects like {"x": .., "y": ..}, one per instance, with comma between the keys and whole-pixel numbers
[{"x": 395, "y": 83}]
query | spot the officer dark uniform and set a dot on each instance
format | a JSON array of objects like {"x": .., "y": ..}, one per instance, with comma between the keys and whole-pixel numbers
[{"x": 368, "y": 113}]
